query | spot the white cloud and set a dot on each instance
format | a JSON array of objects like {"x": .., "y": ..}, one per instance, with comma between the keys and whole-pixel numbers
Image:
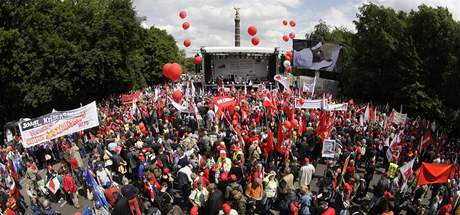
[
  {"x": 338, "y": 18},
  {"x": 212, "y": 20},
  {"x": 407, "y": 5}
]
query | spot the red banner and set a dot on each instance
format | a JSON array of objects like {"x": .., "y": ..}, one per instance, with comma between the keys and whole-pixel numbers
[
  {"x": 223, "y": 102},
  {"x": 433, "y": 173},
  {"x": 128, "y": 98}
]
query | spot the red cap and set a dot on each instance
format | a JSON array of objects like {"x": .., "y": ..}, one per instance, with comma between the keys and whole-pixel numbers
[
  {"x": 224, "y": 176},
  {"x": 226, "y": 208},
  {"x": 388, "y": 195},
  {"x": 117, "y": 149},
  {"x": 306, "y": 160},
  {"x": 166, "y": 170}
]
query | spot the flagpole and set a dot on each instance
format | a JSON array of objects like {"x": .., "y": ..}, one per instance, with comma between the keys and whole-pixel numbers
[{"x": 314, "y": 84}]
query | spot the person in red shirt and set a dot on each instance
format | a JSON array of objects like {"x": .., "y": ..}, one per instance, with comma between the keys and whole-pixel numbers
[
  {"x": 70, "y": 188},
  {"x": 109, "y": 190}
]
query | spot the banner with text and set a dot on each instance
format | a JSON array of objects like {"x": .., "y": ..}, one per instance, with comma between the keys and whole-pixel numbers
[
  {"x": 309, "y": 104},
  {"x": 58, "y": 124}
]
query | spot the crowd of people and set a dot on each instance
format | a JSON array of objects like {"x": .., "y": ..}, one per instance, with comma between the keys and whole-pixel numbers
[{"x": 258, "y": 155}]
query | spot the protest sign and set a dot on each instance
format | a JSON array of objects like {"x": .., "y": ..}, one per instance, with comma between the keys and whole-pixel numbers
[
  {"x": 328, "y": 149},
  {"x": 58, "y": 124}
]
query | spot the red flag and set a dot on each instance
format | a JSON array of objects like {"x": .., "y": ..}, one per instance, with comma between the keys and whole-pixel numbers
[
  {"x": 372, "y": 113},
  {"x": 223, "y": 102},
  {"x": 322, "y": 126},
  {"x": 433, "y": 173},
  {"x": 300, "y": 124},
  {"x": 269, "y": 104},
  {"x": 269, "y": 147},
  {"x": 281, "y": 136}
]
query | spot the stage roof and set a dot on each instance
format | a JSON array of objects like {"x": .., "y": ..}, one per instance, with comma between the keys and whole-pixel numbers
[{"x": 232, "y": 49}]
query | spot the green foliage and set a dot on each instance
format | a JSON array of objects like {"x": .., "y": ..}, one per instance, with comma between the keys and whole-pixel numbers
[
  {"x": 56, "y": 54},
  {"x": 402, "y": 58}
]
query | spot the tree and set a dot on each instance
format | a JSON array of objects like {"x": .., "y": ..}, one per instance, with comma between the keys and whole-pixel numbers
[
  {"x": 58, "y": 54},
  {"x": 159, "y": 48}
]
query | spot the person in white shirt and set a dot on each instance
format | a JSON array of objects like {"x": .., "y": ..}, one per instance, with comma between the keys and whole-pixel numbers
[{"x": 306, "y": 173}]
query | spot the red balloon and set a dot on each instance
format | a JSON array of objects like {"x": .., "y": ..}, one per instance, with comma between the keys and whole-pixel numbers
[
  {"x": 285, "y": 22},
  {"x": 252, "y": 30},
  {"x": 285, "y": 38},
  {"x": 187, "y": 43},
  {"x": 182, "y": 14},
  {"x": 172, "y": 71},
  {"x": 289, "y": 53},
  {"x": 186, "y": 25},
  {"x": 177, "y": 96},
  {"x": 255, "y": 40},
  {"x": 198, "y": 60},
  {"x": 294, "y": 123},
  {"x": 287, "y": 124},
  {"x": 292, "y": 35},
  {"x": 292, "y": 23}
]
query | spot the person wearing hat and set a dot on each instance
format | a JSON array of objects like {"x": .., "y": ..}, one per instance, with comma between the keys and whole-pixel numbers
[
  {"x": 227, "y": 210},
  {"x": 223, "y": 162},
  {"x": 306, "y": 173}
]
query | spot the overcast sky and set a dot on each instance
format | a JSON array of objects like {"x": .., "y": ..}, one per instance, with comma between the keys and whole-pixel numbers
[{"x": 212, "y": 22}]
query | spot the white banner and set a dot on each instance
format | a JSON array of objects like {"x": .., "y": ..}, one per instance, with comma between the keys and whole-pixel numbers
[
  {"x": 309, "y": 104},
  {"x": 328, "y": 149},
  {"x": 58, "y": 124},
  {"x": 283, "y": 81},
  {"x": 336, "y": 107},
  {"x": 178, "y": 106}
]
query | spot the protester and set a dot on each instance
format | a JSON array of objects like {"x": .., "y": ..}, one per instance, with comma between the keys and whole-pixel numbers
[{"x": 150, "y": 155}]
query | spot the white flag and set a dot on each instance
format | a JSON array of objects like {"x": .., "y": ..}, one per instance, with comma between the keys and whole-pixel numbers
[
  {"x": 178, "y": 106},
  {"x": 406, "y": 170},
  {"x": 366, "y": 114},
  {"x": 308, "y": 87},
  {"x": 53, "y": 185},
  {"x": 283, "y": 80}
]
